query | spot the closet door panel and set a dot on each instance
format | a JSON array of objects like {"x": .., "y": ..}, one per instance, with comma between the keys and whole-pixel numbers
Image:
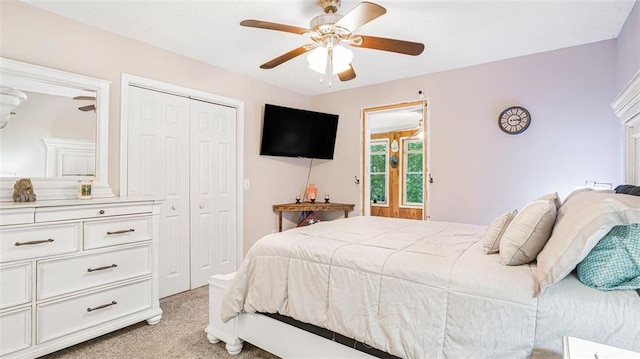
[
  {"x": 144, "y": 136},
  {"x": 158, "y": 165},
  {"x": 213, "y": 162},
  {"x": 226, "y": 195}
]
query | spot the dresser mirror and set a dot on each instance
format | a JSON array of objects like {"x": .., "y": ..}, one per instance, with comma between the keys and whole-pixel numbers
[{"x": 53, "y": 129}]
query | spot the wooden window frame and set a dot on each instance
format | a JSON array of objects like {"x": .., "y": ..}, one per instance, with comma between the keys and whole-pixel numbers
[
  {"x": 386, "y": 170},
  {"x": 403, "y": 170}
]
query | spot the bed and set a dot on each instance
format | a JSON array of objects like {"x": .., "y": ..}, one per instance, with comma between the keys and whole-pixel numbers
[{"x": 417, "y": 289}]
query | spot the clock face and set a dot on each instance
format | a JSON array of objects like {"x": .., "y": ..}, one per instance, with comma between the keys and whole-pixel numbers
[{"x": 514, "y": 120}]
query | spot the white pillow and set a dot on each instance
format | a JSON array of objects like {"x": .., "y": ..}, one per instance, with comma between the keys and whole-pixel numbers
[
  {"x": 527, "y": 233},
  {"x": 491, "y": 237},
  {"x": 578, "y": 230}
]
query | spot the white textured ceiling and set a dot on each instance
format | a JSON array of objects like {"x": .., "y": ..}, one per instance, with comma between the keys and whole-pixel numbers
[{"x": 456, "y": 33}]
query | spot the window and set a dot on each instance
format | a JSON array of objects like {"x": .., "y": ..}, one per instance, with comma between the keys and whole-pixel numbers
[
  {"x": 379, "y": 177},
  {"x": 413, "y": 183}
]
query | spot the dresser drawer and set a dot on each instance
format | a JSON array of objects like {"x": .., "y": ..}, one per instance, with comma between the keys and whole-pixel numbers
[
  {"x": 15, "y": 285},
  {"x": 61, "y": 317},
  {"x": 39, "y": 241},
  {"x": 47, "y": 214},
  {"x": 15, "y": 330},
  {"x": 61, "y": 276},
  {"x": 17, "y": 216},
  {"x": 116, "y": 231}
]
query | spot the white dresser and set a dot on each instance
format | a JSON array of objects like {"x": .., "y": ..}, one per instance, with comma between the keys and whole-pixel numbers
[{"x": 72, "y": 270}]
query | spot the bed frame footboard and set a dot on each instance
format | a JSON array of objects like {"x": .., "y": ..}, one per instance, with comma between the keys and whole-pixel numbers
[
  {"x": 276, "y": 337},
  {"x": 217, "y": 330}
]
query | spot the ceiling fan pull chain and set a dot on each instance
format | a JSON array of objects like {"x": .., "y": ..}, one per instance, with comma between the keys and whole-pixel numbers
[{"x": 330, "y": 64}]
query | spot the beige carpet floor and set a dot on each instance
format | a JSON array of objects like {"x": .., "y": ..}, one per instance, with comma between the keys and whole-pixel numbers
[{"x": 180, "y": 334}]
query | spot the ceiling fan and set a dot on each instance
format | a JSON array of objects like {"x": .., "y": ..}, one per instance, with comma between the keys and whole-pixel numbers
[
  {"x": 88, "y": 107},
  {"x": 329, "y": 33}
]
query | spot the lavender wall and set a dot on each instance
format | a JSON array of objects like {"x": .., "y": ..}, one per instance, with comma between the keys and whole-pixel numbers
[
  {"x": 628, "y": 48},
  {"x": 479, "y": 171}
]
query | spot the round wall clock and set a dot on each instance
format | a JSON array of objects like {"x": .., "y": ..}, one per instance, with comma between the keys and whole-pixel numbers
[{"x": 514, "y": 120}]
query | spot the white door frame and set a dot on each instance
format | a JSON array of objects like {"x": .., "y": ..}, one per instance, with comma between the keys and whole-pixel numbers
[{"x": 128, "y": 80}]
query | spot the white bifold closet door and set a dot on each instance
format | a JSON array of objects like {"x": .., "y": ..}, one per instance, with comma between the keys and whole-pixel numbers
[
  {"x": 213, "y": 191},
  {"x": 183, "y": 150}
]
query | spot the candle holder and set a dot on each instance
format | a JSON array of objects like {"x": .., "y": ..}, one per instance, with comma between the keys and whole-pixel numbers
[
  {"x": 326, "y": 198},
  {"x": 311, "y": 192},
  {"x": 84, "y": 189}
]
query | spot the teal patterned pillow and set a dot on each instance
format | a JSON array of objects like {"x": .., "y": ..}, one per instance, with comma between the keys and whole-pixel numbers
[{"x": 614, "y": 263}]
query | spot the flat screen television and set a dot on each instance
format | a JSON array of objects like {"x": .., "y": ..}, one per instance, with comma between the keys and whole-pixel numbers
[{"x": 291, "y": 132}]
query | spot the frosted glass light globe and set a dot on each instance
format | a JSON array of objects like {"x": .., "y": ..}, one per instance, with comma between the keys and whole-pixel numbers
[{"x": 317, "y": 59}]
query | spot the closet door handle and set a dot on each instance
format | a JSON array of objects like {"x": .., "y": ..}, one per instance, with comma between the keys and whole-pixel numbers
[
  {"x": 113, "y": 302},
  {"x": 33, "y": 242},
  {"x": 101, "y": 268},
  {"x": 121, "y": 232}
]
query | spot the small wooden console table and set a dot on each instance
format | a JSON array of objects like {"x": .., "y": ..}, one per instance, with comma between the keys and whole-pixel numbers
[{"x": 313, "y": 207}]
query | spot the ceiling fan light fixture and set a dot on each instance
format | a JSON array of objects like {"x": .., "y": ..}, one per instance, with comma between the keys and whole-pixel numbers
[{"x": 341, "y": 59}]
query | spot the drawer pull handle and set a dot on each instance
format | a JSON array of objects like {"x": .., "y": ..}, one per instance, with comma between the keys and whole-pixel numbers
[
  {"x": 101, "y": 268},
  {"x": 113, "y": 302},
  {"x": 121, "y": 232},
  {"x": 34, "y": 242},
  {"x": 101, "y": 211}
]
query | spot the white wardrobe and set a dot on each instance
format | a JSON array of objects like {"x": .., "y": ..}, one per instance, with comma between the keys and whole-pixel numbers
[{"x": 183, "y": 150}]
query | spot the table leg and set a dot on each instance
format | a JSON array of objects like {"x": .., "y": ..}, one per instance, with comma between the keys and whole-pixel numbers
[
  {"x": 346, "y": 213},
  {"x": 279, "y": 221}
]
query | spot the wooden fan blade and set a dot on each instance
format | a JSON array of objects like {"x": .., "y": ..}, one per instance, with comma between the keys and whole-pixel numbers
[
  {"x": 87, "y": 108},
  {"x": 286, "y": 57},
  {"x": 392, "y": 45},
  {"x": 348, "y": 74},
  {"x": 85, "y": 98},
  {"x": 360, "y": 15},
  {"x": 273, "y": 26}
]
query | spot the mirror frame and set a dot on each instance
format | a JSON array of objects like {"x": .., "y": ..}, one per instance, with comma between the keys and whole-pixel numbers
[{"x": 49, "y": 188}]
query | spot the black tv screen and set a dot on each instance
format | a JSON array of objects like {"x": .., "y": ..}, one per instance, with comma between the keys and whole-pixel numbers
[{"x": 291, "y": 132}]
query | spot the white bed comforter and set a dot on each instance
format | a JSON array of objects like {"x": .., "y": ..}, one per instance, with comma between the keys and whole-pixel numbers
[{"x": 420, "y": 289}]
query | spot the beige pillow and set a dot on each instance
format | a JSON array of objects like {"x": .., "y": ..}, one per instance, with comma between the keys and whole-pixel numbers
[
  {"x": 527, "y": 233},
  {"x": 578, "y": 192},
  {"x": 578, "y": 231},
  {"x": 585, "y": 197},
  {"x": 553, "y": 197},
  {"x": 491, "y": 237}
]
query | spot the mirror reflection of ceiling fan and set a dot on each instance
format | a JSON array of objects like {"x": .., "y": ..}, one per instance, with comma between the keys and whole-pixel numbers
[
  {"x": 86, "y": 108},
  {"x": 330, "y": 32}
]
